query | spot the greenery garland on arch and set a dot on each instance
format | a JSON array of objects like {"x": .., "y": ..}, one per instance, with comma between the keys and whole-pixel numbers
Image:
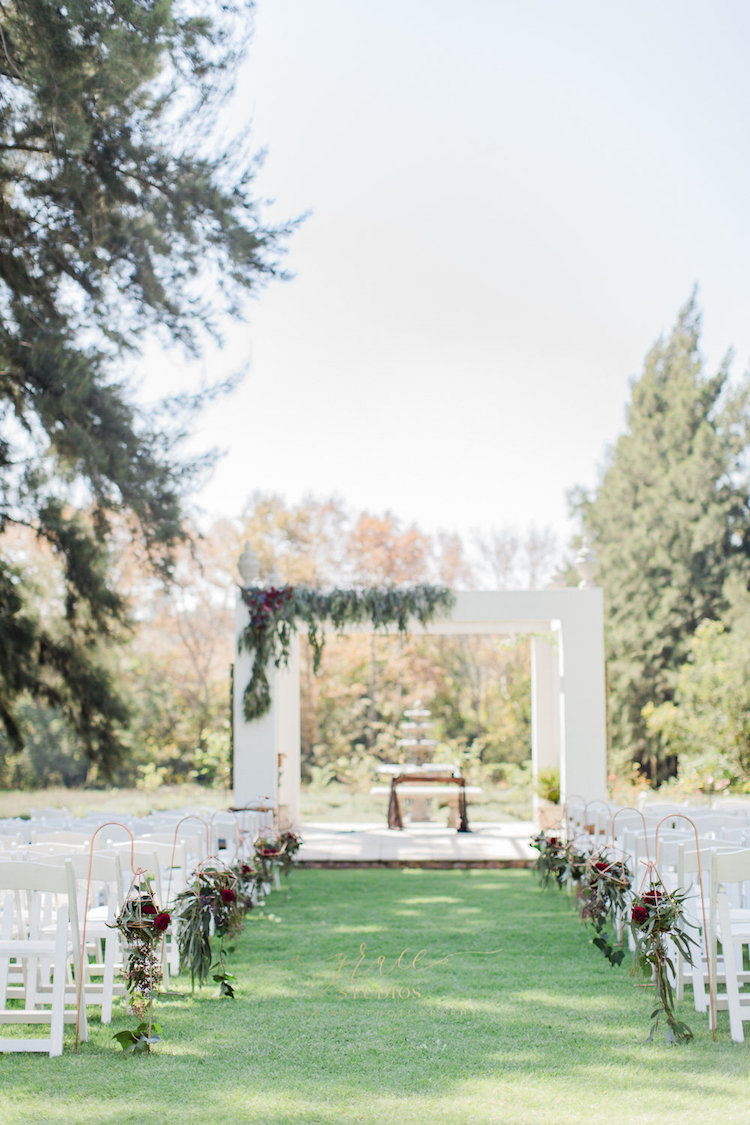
[{"x": 275, "y": 613}]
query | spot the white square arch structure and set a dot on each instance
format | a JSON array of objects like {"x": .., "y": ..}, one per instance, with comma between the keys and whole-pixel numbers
[{"x": 568, "y": 712}]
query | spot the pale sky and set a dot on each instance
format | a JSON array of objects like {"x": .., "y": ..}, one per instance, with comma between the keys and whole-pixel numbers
[{"x": 509, "y": 200}]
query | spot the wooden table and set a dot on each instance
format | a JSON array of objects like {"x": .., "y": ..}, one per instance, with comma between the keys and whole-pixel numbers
[{"x": 431, "y": 784}]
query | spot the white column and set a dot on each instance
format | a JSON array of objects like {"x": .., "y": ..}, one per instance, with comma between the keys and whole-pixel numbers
[
  {"x": 583, "y": 761},
  {"x": 255, "y": 743},
  {"x": 545, "y": 704},
  {"x": 287, "y": 708}
]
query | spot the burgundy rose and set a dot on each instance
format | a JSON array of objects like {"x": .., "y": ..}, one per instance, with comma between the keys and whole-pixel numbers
[
  {"x": 554, "y": 841},
  {"x": 652, "y": 898},
  {"x": 147, "y": 907},
  {"x": 161, "y": 921},
  {"x": 227, "y": 895},
  {"x": 639, "y": 914},
  {"x": 246, "y": 871},
  {"x": 601, "y": 865}
]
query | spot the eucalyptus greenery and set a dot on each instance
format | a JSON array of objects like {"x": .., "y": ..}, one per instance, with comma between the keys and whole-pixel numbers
[
  {"x": 208, "y": 908},
  {"x": 552, "y": 863},
  {"x": 655, "y": 916},
  {"x": 602, "y": 899},
  {"x": 274, "y": 613},
  {"x": 270, "y": 852},
  {"x": 292, "y": 842}
]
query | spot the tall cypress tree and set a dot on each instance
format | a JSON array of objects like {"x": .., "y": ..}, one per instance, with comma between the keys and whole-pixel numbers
[
  {"x": 118, "y": 222},
  {"x": 670, "y": 522}
]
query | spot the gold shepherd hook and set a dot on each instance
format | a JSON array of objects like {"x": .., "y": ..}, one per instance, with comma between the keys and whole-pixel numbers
[
  {"x": 190, "y": 816},
  {"x": 711, "y": 997},
  {"x": 238, "y": 834},
  {"x": 107, "y": 824},
  {"x": 628, "y": 808}
]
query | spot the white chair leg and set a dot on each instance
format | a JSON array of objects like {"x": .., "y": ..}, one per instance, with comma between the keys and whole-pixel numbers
[
  {"x": 57, "y": 1016},
  {"x": 730, "y": 972}
]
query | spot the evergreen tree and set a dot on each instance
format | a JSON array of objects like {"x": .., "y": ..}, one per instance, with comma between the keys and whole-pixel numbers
[
  {"x": 670, "y": 524},
  {"x": 117, "y": 223}
]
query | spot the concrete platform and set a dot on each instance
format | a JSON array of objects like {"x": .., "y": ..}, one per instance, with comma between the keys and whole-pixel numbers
[{"x": 499, "y": 844}]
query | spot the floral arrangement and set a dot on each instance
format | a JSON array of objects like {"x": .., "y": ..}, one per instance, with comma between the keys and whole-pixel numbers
[
  {"x": 210, "y": 907},
  {"x": 605, "y": 896},
  {"x": 291, "y": 842},
  {"x": 245, "y": 875},
  {"x": 143, "y": 926},
  {"x": 269, "y": 853},
  {"x": 557, "y": 860},
  {"x": 602, "y": 898},
  {"x": 274, "y": 613},
  {"x": 655, "y": 917}
]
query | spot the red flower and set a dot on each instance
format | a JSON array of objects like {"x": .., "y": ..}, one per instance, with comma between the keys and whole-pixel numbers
[
  {"x": 147, "y": 906},
  {"x": 652, "y": 898},
  {"x": 554, "y": 841},
  {"x": 161, "y": 921},
  {"x": 639, "y": 914},
  {"x": 227, "y": 895},
  {"x": 246, "y": 871},
  {"x": 601, "y": 865}
]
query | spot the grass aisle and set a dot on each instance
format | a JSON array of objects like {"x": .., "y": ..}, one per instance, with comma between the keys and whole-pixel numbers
[{"x": 500, "y": 1012}]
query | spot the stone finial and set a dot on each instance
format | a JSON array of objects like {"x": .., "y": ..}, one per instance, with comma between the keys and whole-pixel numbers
[
  {"x": 586, "y": 563},
  {"x": 247, "y": 565}
]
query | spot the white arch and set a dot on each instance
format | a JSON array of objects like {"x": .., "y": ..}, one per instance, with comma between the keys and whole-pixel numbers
[{"x": 568, "y": 704}]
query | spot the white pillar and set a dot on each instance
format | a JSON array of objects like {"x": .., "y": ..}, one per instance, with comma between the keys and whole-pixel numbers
[
  {"x": 255, "y": 749},
  {"x": 288, "y": 737},
  {"x": 545, "y": 705},
  {"x": 583, "y": 758},
  {"x": 267, "y": 749}
]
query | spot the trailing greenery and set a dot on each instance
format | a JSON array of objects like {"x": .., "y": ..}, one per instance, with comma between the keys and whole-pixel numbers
[
  {"x": 143, "y": 927},
  {"x": 276, "y": 613},
  {"x": 209, "y": 907},
  {"x": 602, "y": 898},
  {"x": 658, "y": 915}
]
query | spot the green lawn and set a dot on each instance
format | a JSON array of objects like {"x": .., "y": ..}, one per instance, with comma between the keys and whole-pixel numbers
[{"x": 499, "y": 1011}]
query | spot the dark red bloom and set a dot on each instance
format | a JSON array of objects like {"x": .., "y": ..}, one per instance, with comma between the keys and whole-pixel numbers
[
  {"x": 601, "y": 865},
  {"x": 227, "y": 895},
  {"x": 246, "y": 870},
  {"x": 161, "y": 921},
  {"x": 639, "y": 914},
  {"x": 554, "y": 841},
  {"x": 147, "y": 907},
  {"x": 652, "y": 898}
]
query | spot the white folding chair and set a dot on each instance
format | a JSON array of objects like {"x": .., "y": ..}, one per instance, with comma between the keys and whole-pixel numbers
[
  {"x": 39, "y": 964},
  {"x": 730, "y": 926},
  {"x": 196, "y": 841},
  {"x": 82, "y": 839}
]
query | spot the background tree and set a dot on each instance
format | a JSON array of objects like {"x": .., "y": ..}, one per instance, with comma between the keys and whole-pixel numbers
[
  {"x": 117, "y": 224},
  {"x": 670, "y": 522},
  {"x": 707, "y": 724},
  {"x": 506, "y": 559}
]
